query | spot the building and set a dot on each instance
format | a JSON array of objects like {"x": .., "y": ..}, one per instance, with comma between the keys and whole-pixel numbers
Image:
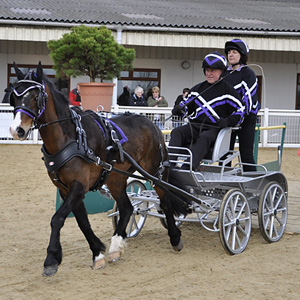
[{"x": 170, "y": 37}]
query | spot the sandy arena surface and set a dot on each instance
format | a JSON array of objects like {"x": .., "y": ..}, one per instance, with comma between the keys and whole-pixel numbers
[{"x": 149, "y": 268}]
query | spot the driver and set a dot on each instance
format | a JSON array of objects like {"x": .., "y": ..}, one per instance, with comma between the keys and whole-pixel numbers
[{"x": 210, "y": 105}]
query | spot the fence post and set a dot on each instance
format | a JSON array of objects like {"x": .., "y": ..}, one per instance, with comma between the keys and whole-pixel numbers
[
  {"x": 256, "y": 142},
  {"x": 35, "y": 136},
  {"x": 264, "y": 134}
]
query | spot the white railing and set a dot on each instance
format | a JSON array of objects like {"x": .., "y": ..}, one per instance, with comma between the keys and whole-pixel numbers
[{"x": 163, "y": 118}]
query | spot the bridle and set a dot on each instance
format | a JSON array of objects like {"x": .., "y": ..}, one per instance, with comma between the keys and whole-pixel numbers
[{"x": 41, "y": 99}]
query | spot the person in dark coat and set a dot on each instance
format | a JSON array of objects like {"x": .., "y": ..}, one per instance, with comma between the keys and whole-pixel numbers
[
  {"x": 137, "y": 99},
  {"x": 210, "y": 105},
  {"x": 243, "y": 79},
  {"x": 123, "y": 99},
  {"x": 7, "y": 94},
  {"x": 177, "y": 120}
]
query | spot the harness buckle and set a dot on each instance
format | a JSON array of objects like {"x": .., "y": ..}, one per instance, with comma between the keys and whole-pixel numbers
[
  {"x": 114, "y": 136},
  {"x": 105, "y": 165}
]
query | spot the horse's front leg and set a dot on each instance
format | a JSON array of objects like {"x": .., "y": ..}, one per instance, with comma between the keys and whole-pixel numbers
[
  {"x": 95, "y": 244},
  {"x": 54, "y": 250},
  {"x": 118, "y": 243}
]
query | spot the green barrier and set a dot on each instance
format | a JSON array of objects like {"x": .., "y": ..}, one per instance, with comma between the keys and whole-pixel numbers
[
  {"x": 93, "y": 201},
  {"x": 272, "y": 165}
]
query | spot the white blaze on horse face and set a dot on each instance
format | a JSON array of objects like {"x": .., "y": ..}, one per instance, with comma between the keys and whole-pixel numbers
[
  {"x": 117, "y": 244},
  {"x": 17, "y": 124},
  {"x": 14, "y": 125}
]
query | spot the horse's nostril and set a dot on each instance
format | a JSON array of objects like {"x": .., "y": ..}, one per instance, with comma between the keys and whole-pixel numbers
[{"x": 21, "y": 132}]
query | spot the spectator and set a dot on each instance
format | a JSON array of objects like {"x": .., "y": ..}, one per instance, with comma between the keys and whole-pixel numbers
[
  {"x": 123, "y": 99},
  {"x": 177, "y": 120},
  {"x": 156, "y": 100},
  {"x": 210, "y": 105},
  {"x": 74, "y": 96},
  {"x": 7, "y": 91},
  {"x": 137, "y": 99}
]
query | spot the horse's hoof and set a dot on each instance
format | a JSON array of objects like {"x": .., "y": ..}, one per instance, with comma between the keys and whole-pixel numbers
[
  {"x": 99, "y": 264},
  {"x": 114, "y": 256},
  {"x": 179, "y": 246},
  {"x": 50, "y": 270}
]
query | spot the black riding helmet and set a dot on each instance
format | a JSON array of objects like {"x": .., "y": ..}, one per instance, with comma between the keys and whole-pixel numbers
[
  {"x": 238, "y": 45},
  {"x": 214, "y": 60}
]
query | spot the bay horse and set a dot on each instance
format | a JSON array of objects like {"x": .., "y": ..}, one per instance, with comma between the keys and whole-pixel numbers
[{"x": 79, "y": 155}]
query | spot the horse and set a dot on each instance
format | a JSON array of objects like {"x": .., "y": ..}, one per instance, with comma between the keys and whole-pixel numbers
[{"x": 81, "y": 151}]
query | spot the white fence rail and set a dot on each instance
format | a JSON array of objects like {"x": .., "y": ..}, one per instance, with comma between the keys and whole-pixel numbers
[{"x": 163, "y": 118}]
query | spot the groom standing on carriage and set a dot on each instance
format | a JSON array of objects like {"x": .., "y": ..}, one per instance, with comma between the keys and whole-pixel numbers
[{"x": 210, "y": 106}]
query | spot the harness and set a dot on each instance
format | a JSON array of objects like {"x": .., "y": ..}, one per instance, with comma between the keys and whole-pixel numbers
[
  {"x": 79, "y": 148},
  {"x": 114, "y": 137}
]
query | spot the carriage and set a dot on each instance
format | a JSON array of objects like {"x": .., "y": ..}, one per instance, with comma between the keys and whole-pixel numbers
[
  {"x": 82, "y": 151},
  {"x": 225, "y": 200}
]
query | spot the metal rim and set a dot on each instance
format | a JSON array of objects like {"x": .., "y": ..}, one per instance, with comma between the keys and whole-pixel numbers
[
  {"x": 272, "y": 212},
  {"x": 234, "y": 222}
]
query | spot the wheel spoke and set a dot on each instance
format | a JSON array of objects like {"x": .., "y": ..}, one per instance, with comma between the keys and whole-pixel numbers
[
  {"x": 229, "y": 215},
  {"x": 267, "y": 219},
  {"x": 132, "y": 222},
  {"x": 275, "y": 229},
  {"x": 271, "y": 226},
  {"x": 273, "y": 197},
  {"x": 241, "y": 210},
  {"x": 279, "y": 220},
  {"x": 267, "y": 214},
  {"x": 233, "y": 238},
  {"x": 228, "y": 231},
  {"x": 233, "y": 203},
  {"x": 238, "y": 240},
  {"x": 241, "y": 229},
  {"x": 278, "y": 201}
]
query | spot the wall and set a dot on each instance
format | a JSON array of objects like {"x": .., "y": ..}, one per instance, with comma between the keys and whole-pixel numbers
[
  {"x": 280, "y": 85},
  {"x": 280, "y": 78}
]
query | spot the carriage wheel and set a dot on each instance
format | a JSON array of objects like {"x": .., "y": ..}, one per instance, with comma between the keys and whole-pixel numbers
[
  {"x": 137, "y": 219},
  {"x": 272, "y": 212},
  {"x": 234, "y": 222}
]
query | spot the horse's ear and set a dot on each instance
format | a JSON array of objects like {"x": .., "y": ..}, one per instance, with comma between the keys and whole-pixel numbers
[
  {"x": 19, "y": 73},
  {"x": 39, "y": 72}
]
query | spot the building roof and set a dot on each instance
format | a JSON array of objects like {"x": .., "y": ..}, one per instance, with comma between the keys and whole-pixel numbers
[{"x": 241, "y": 15}]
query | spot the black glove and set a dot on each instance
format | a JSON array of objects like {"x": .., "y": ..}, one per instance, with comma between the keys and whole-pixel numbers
[
  {"x": 178, "y": 110},
  {"x": 222, "y": 123}
]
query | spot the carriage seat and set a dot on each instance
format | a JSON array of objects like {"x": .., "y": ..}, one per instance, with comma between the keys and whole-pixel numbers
[
  {"x": 221, "y": 146},
  {"x": 181, "y": 157}
]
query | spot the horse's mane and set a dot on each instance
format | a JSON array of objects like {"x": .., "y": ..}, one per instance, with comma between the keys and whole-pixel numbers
[
  {"x": 61, "y": 102},
  {"x": 55, "y": 92}
]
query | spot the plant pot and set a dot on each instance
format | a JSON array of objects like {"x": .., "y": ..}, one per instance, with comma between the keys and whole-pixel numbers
[{"x": 94, "y": 94}]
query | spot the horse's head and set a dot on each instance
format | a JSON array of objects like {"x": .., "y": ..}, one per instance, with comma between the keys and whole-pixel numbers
[{"x": 29, "y": 100}]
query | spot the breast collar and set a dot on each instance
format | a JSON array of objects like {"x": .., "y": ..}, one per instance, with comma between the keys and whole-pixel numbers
[{"x": 79, "y": 147}]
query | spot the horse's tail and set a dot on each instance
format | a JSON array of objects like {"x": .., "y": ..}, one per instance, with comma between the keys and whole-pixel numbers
[{"x": 180, "y": 205}]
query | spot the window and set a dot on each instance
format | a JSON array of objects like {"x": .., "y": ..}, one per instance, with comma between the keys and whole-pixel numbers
[
  {"x": 61, "y": 84},
  {"x": 146, "y": 78},
  {"x": 297, "y": 106}
]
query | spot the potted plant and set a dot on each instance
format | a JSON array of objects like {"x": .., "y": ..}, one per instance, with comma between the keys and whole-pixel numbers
[{"x": 93, "y": 52}]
